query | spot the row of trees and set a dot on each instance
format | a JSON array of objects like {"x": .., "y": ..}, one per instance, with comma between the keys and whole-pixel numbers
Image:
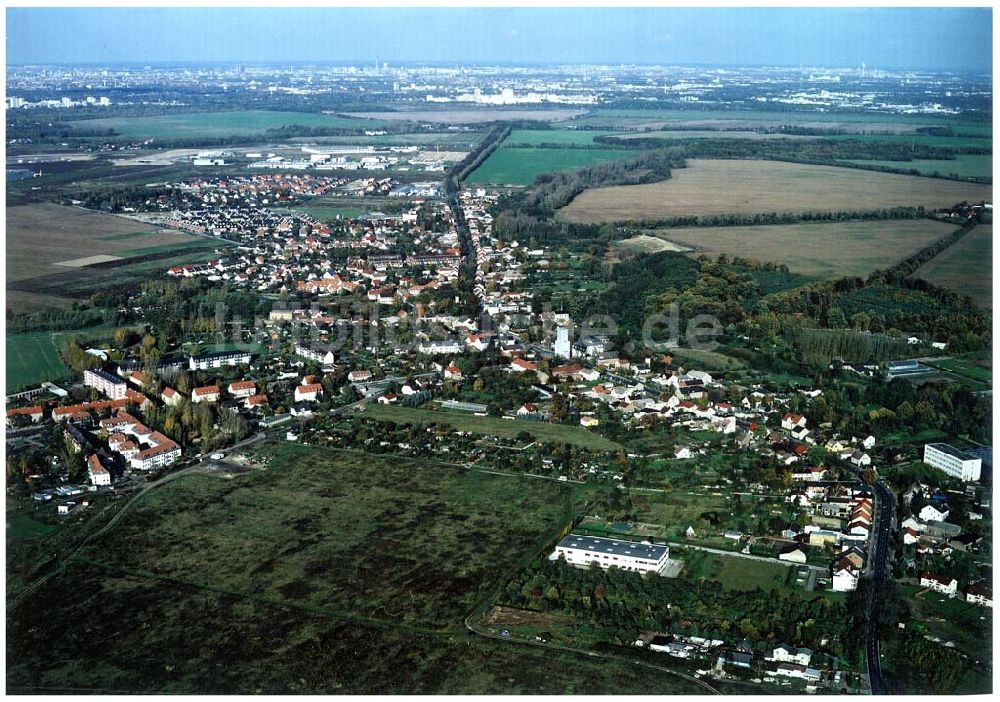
[
  {"x": 621, "y": 603},
  {"x": 741, "y": 220}
]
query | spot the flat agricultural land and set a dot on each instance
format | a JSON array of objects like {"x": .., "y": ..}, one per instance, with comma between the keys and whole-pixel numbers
[
  {"x": 716, "y": 187},
  {"x": 216, "y": 124},
  {"x": 470, "y": 115},
  {"x": 56, "y": 253},
  {"x": 510, "y": 166},
  {"x": 442, "y": 140},
  {"x": 494, "y": 426},
  {"x": 854, "y": 122},
  {"x": 563, "y": 137},
  {"x": 816, "y": 250},
  {"x": 966, "y": 267},
  {"x": 963, "y": 165},
  {"x": 323, "y": 572}
]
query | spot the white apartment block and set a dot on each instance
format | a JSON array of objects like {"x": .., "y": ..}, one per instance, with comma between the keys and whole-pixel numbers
[
  {"x": 107, "y": 383},
  {"x": 956, "y": 463}
]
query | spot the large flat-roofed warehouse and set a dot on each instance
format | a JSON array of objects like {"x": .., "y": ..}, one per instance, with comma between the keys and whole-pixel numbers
[
  {"x": 953, "y": 461},
  {"x": 627, "y": 555}
]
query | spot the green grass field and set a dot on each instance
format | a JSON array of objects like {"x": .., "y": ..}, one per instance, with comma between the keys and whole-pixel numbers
[
  {"x": 508, "y": 428},
  {"x": 34, "y": 358},
  {"x": 218, "y": 124},
  {"x": 967, "y": 267},
  {"x": 735, "y": 573},
  {"x": 22, "y": 526},
  {"x": 509, "y": 166},
  {"x": 185, "y": 246},
  {"x": 126, "y": 236},
  {"x": 963, "y": 165},
  {"x": 965, "y": 367}
]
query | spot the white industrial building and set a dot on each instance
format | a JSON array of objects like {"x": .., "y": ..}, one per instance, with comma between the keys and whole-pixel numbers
[
  {"x": 584, "y": 550},
  {"x": 954, "y": 462}
]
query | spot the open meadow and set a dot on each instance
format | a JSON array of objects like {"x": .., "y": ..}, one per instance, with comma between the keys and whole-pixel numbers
[
  {"x": 508, "y": 428},
  {"x": 57, "y": 253},
  {"x": 966, "y": 266},
  {"x": 716, "y": 187},
  {"x": 217, "y": 124},
  {"x": 814, "y": 249},
  {"x": 213, "y": 641},
  {"x": 316, "y": 571},
  {"x": 513, "y": 166},
  {"x": 391, "y": 540}
]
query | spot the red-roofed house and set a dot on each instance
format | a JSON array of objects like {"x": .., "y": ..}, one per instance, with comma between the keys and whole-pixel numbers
[
  {"x": 255, "y": 401},
  {"x": 170, "y": 396},
  {"x": 206, "y": 393},
  {"x": 34, "y": 413},
  {"x": 308, "y": 393},
  {"x": 242, "y": 388}
]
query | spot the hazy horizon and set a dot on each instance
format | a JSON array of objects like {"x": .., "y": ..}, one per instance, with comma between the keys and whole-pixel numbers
[{"x": 931, "y": 39}]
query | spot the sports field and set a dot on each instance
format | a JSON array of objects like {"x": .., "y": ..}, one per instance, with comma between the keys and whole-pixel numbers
[
  {"x": 966, "y": 267},
  {"x": 495, "y": 426},
  {"x": 816, "y": 250},
  {"x": 33, "y": 358},
  {"x": 715, "y": 187},
  {"x": 510, "y": 166},
  {"x": 218, "y": 124}
]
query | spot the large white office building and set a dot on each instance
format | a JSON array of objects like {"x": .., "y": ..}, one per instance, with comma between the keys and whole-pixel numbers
[
  {"x": 627, "y": 555},
  {"x": 954, "y": 462}
]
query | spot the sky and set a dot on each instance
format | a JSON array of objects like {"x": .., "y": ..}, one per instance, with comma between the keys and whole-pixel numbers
[{"x": 925, "y": 38}]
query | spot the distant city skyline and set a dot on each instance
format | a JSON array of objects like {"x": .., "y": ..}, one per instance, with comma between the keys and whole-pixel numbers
[{"x": 941, "y": 39}]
